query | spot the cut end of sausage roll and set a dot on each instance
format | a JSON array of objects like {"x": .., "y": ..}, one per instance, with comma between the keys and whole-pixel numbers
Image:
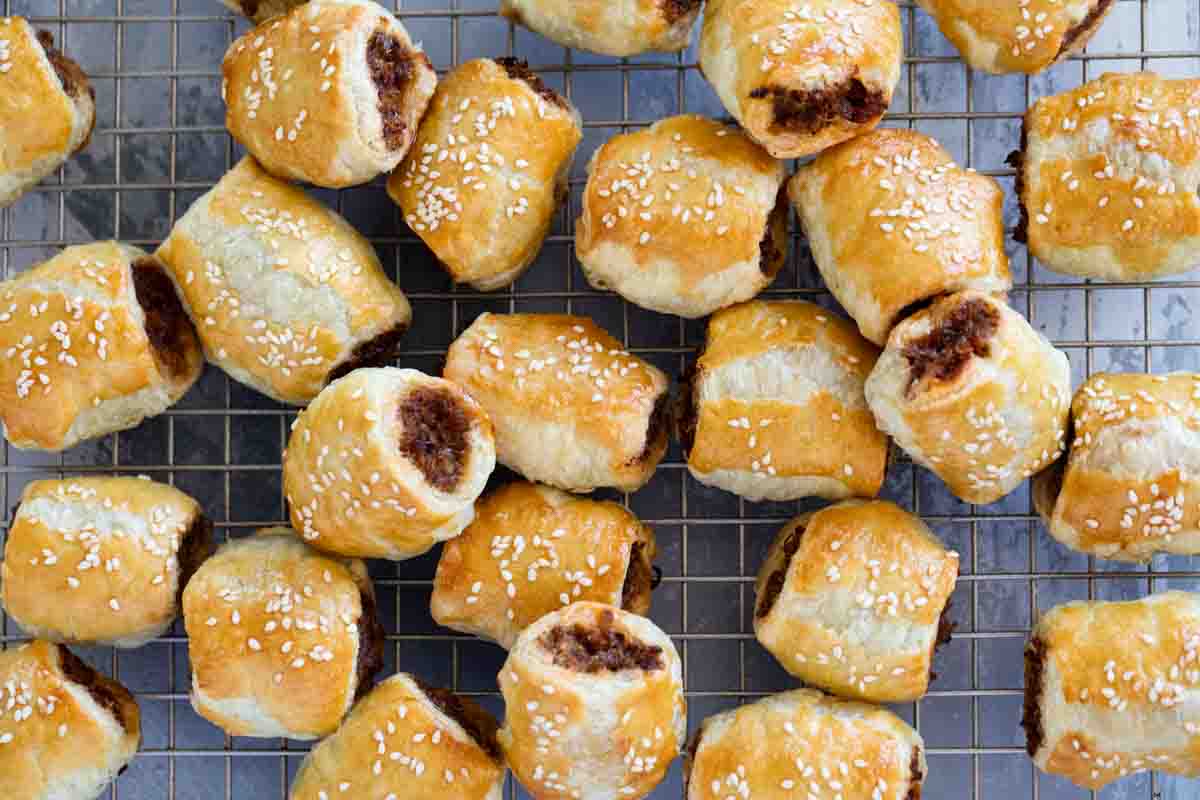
[
  {"x": 972, "y": 392},
  {"x": 261, "y": 10},
  {"x": 86, "y": 728},
  {"x": 608, "y": 28},
  {"x": 1106, "y": 178}
]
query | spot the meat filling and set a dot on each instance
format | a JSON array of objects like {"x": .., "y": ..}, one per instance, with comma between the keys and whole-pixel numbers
[
  {"x": 599, "y": 648},
  {"x": 108, "y": 694},
  {"x": 377, "y": 352},
  {"x": 1016, "y": 160},
  {"x": 391, "y": 67},
  {"x": 777, "y": 579},
  {"x": 687, "y": 418},
  {"x": 370, "y": 643},
  {"x": 961, "y": 335},
  {"x": 675, "y": 10},
  {"x": 806, "y": 111},
  {"x": 771, "y": 250},
  {"x": 74, "y": 80},
  {"x": 195, "y": 546},
  {"x": 915, "y": 776},
  {"x": 434, "y": 435},
  {"x": 477, "y": 722},
  {"x": 639, "y": 580},
  {"x": 1085, "y": 25},
  {"x": 167, "y": 325},
  {"x": 1031, "y": 717},
  {"x": 518, "y": 69},
  {"x": 656, "y": 429}
]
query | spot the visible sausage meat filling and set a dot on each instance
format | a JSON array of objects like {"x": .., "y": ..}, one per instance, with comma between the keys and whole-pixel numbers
[
  {"x": 370, "y": 643},
  {"x": 1084, "y": 26},
  {"x": 777, "y": 579},
  {"x": 656, "y": 429},
  {"x": 167, "y": 325},
  {"x": 1031, "y": 717},
  {"x": 599, "y": 648},
  {"x": 518, "y": 69},
  {"x": 74, "y": 80},
  {"x": 944, "y": 352},
  {"x": 639, "y": 579},
  {"x": 675, "y": 10},
  {"x": 434, "y": 435},
  {"x": 391, "y": 66},
  {"x": 806, "y": 111},
  {"x": 195, "y": 546},
  {"x": 108, "y": 694},
  {"x": 915, "y": 776},
  {"x": 478, "y": 723},
  {"x": 377, "y": 352},
  {"x": 772, "y": 250}
]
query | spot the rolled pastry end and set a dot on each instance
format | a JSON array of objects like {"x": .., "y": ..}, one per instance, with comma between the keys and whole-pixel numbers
[
  {"x": 944, "y": 352},
  {"x": 809, "y": 111},
  {"x": 599, "y": 647}
]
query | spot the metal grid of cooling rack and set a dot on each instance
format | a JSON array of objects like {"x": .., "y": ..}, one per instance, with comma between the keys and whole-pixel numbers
[{"x": 160, "y": 142}]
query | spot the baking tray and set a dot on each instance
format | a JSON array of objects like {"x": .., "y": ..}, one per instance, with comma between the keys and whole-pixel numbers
[{"x": 160, "y": 142}]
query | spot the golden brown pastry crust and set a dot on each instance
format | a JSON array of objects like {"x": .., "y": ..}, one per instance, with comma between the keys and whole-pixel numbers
[
  {"x": 777, "y": 409},
  {"x": 892, "y": 197},
  {"x": 570, "y": 406},
  {"x": 778, "y": 747},
  {"x": 683, "y": 217},
  {"x": 611, "y": 27},
  {"x": 1108, "y": 688},
  {"x": 284, "y": 292},
  {"x": 802, "y": 78},
  {"x": 1108, "y": 176},
  {"x": 488, "y": 170},
  {"x": 1025, "y": 36},
  {"x": 531, "y": 550}
]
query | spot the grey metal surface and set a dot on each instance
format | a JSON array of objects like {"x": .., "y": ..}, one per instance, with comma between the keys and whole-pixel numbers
[{"x": 160, "y": 142}]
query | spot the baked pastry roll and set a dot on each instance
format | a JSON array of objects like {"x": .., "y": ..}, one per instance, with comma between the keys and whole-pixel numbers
[
  {"x": 972, "y": 392},
  {"x": 852, "y": 599},
  {"x": 896, "y": 197},
  {"x": 595, "y": 706},
  {"x": 282, "y": 638},
  {"x": 404, "y": 734},
  {"x": 625, "y": 28},
  {"x": 1107, "y": 178},
  {"x": 571, "y": 407},
  {"x": 330, "y": 94},
  {"x": 774, "y": 409},
  {"x": 101, "y": 560},
  {"x": 93, "y": 341},
  {"x": 1128, "y": 487},
  {"x": 285, "y": 294},
  {"x": 1108, "y": 689},
  {"x": 684, "y": 217},
  {"x": 1025, "y": 36},
  {"x": 532, "y": 550},
  {"x": 65, "y": 729},
  {"x": 47, "y": 108},
  {"x": 386, "y": 463},
  {"x": 488, "y": 170},
  {"x": 802, "y": 78},
  {"x": 805, "y": 743}
]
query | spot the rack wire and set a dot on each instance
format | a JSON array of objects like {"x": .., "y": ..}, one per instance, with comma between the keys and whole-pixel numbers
[{"x": 160, "y": 142}]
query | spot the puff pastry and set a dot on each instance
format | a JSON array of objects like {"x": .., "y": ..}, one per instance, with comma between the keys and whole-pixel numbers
[
  {"x": 571, "y": 407},
  {"x": 285, "y": 294},
  {"x": 972, "y": 392},
  {"x": 330, "y": 94},
  {"x": 101, "y": 560},
  {"x": 595, "y": 706},
  {"x": 386, "y": 463},
  {"x": 532, "y": 550},
  {"x": 47, "y": 108},
  {"x": 802, "y": 77},
  {"x": 774, "y": 409},
  {"x": 488, "y": 170},
  {"x": 803, "y": 742},
  {"x": 65, "y": 729},
  {"x": 1026, "y": 36},
  {"x": 431, "y": 743},
  {"x": 1108, "y": 689},
  {"x": 896, "y": 197},
  {"x": 685, "y": 217},
  {"x": 93, "y": 341},
  {"x": 271, "y": 621},
  {"x": 1107, "y": 176},
  {"x": 852, "y": 599},
  {"x": 620, "y": 28},
  {"x": 1130, "y": 484}
]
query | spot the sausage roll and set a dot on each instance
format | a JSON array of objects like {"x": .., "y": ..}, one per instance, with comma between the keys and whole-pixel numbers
[
  {"x": 1107, "y": 177},
  {"x": 286, "y": 295},
  {"x": 802, "y": 78},
  {"x": 488, "y": 170},
  {"x": 430, "y": 742},
  {"x": 93, "y": 341},
  {"x": 571, "y": 407},
  {"x": 271, "y": 622},
  {"x": 532, "y": 550},
  {"x": 47, "y": 108},
  {"x": 972, "y": 392},
  {"x": 66, "y": 730},
  {"x": 685, "y": 217},
  {"x": 101, "y": 560},
  {"x": 330, "y": 94},
  {"x": 895, "y": 197},
  {"x": 1026, "y": 36},
  {"x": 1130, "y": 484},
  {"x": 774, "y": 409},
  {"x": 804, "y": 743},
  {"x": 1109, "y": 689},
  {"x": 595, "y": 707},
  {"x": 261, "y": 10},
  {"x": 622, "y": 28},
  {"x": 852, "y": 599},
  {"x": 386, "y": 463}
]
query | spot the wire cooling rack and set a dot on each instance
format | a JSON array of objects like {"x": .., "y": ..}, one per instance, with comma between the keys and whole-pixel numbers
[{"x": 160, "y": 142}]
